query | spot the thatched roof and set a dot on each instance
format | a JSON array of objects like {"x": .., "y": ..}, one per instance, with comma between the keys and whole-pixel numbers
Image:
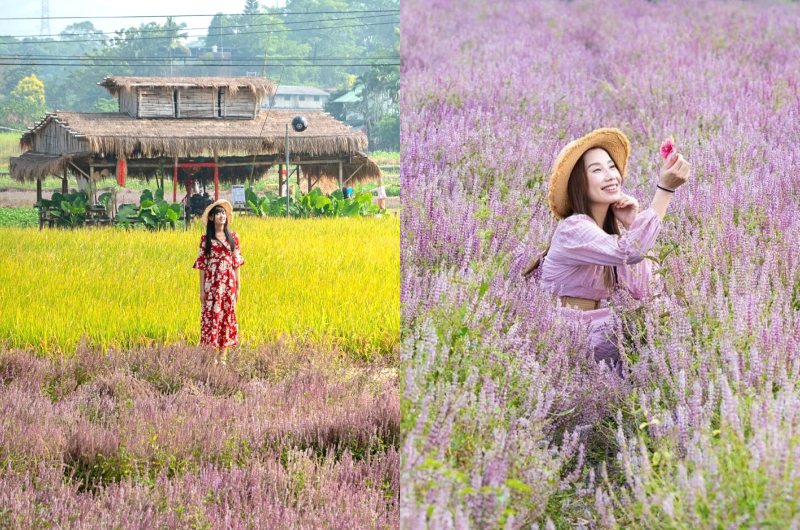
[
  {"x": 262, "y": 87},
  {"x": 117, "y": 134},
  {"x": 30, "y": 166},
  {"x": 120, "y": 134},
  {"x": 361, "y": 169}
]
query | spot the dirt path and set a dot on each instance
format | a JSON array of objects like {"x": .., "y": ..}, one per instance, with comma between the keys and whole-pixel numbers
[{"x": 17, "y": 198}]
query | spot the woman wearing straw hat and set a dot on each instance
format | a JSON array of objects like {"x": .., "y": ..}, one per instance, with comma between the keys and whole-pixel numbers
[
  {"x": 588, "y": 255},
  {"x": 219, "y": 259}
]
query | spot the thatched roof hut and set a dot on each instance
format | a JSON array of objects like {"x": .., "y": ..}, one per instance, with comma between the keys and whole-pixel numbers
[
  {"x": 260, "y": 86},
  {"x": 121, "y": 135},
  {"x": 188, "y": 128},
  {"x": 116, "y": 135}
]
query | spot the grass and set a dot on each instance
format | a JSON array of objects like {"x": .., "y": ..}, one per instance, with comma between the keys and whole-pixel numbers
[
  {"x": 321, "y": 279},
  {"x": 9, "y": 146},
  {"x": 385, "y": 158},
  {"x": 18, "y": 217}
]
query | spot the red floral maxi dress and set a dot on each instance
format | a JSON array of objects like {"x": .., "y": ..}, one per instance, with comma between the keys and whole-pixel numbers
[{"x": 218, "y": 325}]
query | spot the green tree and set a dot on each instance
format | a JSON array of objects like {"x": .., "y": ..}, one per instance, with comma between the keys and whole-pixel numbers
[
  {"x": 388, "y": 132},
  {"x": 105, "y": 105},
  {"x": 379, "y": 94},
  {"x": 174, "y": 39},
  {"x": 330, "y": 40},
  {"x": 26, "y": 103},
  {"x": 251, "y": 7}
]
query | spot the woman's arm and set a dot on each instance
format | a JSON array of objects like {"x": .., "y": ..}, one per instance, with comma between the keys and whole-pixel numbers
[
  {"x": 202, "y": 286},
  {"x": 674, "y": 173}
]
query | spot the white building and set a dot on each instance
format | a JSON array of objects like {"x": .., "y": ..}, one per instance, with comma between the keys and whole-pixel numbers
[{"x": 296, "y": 98}]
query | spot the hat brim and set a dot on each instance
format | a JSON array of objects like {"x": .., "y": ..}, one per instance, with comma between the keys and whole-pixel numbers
[
  {"x": 222, "y": 202},
  {"x": 611, "y": 139}
]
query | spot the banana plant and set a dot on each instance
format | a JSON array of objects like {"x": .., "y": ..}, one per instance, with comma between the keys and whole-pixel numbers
[
  {"x": 154, "y": 212},
  {"x": 68, "y": 210}
]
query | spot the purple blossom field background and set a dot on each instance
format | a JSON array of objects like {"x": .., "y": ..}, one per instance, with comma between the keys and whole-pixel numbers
[
  {"x": 506, "y": 423},
  {"x": 161, "y": 437}
]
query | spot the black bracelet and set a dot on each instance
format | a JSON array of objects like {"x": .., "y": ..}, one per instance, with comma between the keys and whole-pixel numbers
[{"x": 665, "y": 189}]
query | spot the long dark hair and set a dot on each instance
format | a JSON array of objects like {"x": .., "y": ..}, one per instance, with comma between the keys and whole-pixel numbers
[
  {"x": 211, "y": 232},
  {"x": 578, "y": 199}
]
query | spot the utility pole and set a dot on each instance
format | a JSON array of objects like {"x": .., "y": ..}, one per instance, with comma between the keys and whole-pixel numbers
[{"x": 44, "y": 28}]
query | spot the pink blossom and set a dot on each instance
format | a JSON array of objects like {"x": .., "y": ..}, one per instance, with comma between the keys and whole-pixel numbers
[{"x": 667, "y": 148}]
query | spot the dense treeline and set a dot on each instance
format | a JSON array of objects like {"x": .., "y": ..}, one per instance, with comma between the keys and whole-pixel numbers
[{"x": 61, "y": 72}]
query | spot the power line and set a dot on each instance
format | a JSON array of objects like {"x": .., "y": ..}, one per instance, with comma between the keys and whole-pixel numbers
[
  {"x": 195, "y": 36},
  {"x": 284, "y": 12},
  {"x": 113, "y": 33}
]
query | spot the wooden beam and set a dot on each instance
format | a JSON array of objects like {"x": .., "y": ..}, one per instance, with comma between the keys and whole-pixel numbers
[
  {"x": 89, "y": 180},
  {"x": 79, "y": 169},
  {"x": 175, "y": 181},
  {"x": 216, "y": 175},
  {"x": 91, "y": 183},
  {"x": 266, "y": 160},
  {"x": 341, "y": 184},
  {"x": 354, "y": 172},
  {"x": 280, "y": 180},
  {"x": 64, "y": 183}
]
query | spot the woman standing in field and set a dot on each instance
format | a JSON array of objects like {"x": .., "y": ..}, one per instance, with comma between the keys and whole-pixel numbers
[
  {"x": 219, "y": 260},
  {"x": 588, "y": 256}
]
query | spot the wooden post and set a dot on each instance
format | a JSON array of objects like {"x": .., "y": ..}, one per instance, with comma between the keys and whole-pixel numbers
[
  {"x": 177, "y": 103},
  {"x": 91, "y": 183},
  {"x": 175, "y": 182},
  {"x": 216, "y": 175},
  {"x": 297, "y": 168},
  {"x": 224, "y": 103},
  {"x": 308, "y": 176},
  {"x": 280, "y": 180},
  {"x": 64, "y": 183},
  {"x": 340, "y": 175},
  {"x": 39, "y": 199}
]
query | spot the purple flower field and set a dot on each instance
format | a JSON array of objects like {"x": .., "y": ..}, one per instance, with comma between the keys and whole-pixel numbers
[
  {"x": 506, "y": 422},
  {"x": 302, "y": 437}
]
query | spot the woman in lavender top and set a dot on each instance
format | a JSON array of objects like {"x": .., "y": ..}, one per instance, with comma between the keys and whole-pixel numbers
[{"x": 589, "y": 255}]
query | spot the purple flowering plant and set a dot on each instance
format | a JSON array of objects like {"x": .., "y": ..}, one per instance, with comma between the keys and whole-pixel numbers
[{"x": 506, "y": 424}]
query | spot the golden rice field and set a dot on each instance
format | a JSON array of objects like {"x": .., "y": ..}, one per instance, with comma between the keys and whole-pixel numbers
[{"x": 320, "y": 279}]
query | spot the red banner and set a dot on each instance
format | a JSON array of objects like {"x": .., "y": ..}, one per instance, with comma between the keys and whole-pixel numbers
[{"x": 121, "y": 172}]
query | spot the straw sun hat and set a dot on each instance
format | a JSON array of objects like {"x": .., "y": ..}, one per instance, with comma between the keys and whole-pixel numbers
[
  {"x": 222, "y": 202},
  {"x": 612, "y": 140}
]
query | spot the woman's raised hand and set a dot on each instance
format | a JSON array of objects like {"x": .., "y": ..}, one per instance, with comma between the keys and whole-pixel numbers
[
  {"x": 675, "y": 172},
  {"x": 625, "y": 210}
]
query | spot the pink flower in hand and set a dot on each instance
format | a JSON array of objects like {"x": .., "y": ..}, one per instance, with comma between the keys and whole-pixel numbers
[{"x": 667, "y": 147}]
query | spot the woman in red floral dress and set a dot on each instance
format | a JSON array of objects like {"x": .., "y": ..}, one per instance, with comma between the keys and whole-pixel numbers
[{"x": 219, "y": 259}]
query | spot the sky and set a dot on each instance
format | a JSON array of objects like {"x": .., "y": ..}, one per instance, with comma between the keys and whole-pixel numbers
[{"x": 86, "y": 8}]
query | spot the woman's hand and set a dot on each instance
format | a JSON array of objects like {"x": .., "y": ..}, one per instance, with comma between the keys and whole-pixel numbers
[
  {"x": 625, "y": 210},
  {"x": 202, "y": 296},
  {"x": 675, "y": 172}
]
